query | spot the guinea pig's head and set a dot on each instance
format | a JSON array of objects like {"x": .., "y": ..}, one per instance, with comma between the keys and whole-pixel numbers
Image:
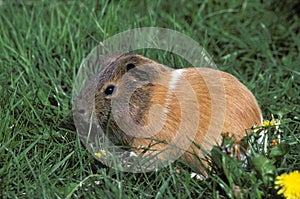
[{"x": 124, "y": 92}]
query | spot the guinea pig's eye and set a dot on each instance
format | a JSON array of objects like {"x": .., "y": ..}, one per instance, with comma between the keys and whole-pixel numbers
[
  {"x": 129, "y": 66},
  {"x": 109, "y": 90}
]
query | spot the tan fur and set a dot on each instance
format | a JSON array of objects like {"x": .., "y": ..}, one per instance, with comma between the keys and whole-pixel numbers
[{"x": 224, "y": 105}]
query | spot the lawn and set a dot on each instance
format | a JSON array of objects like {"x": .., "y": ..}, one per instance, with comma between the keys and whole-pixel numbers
[{"x": 42, "y": 44}]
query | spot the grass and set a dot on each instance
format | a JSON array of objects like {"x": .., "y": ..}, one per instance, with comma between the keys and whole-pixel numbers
[{"x": 42, "y": 44}]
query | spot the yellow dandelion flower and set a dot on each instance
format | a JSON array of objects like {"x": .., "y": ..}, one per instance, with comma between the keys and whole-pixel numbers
[
  {"x": 274, "y": 142},
  {"x": 288, "y": 185},
  {"x": 101, "y": 153},
  {"x": 273, "y": 122},
  {"x": 266, "y": 123}
]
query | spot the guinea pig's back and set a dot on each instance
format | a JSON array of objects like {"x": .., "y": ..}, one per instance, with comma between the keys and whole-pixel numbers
[
  {"x": 242, "y": 109},
  {"x": 225, "y": 105}
]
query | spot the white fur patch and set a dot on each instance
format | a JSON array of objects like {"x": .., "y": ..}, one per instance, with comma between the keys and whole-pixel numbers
[{"x": 175, "y": 76}]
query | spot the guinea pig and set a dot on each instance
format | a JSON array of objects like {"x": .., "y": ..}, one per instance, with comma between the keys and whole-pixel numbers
[{"x": 176, "y": 112}]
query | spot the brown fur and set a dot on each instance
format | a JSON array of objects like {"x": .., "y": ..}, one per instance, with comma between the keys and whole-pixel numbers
[{"x": 222, "y": 103}]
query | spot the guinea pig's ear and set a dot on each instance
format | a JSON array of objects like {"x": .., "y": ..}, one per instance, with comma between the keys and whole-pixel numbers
[
  {"x": 107, "y": 59},
  {"x": 129, "y": 66}
]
